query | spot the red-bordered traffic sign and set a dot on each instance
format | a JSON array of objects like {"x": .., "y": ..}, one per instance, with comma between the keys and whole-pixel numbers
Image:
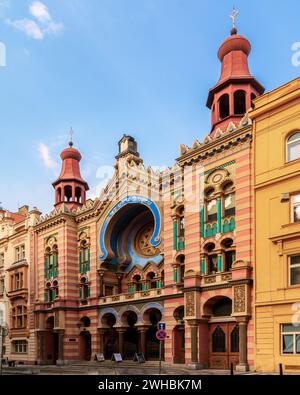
[{"x": 161, "y": 335}]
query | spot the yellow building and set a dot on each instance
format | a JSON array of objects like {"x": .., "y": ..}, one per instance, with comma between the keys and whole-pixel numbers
[{"x": 276, "y": 161}]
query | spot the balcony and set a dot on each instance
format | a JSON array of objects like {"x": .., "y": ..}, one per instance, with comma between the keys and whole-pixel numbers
[
  {"x": 18, "y": 293},
  {"x": 218, "y": 278},
  {"x": 146, "y": 294}
]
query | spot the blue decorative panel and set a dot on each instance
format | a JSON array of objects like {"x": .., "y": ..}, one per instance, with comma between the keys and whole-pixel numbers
[{"x": 155, "y": 239}]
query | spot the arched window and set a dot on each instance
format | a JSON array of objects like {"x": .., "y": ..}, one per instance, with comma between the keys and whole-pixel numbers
[
  {"x": 211, "y": 206},
  {"x": 224, "y": 106},
  {"x": 229, "y": 199},
  {"x": 239, "y": 102},
  {"x": 84, "y": 257},
  {"x": 234, "y": 339},
  {"x": 68, "y": 193},
  {"x": 78, "y": 194},
  {"x": 137, "y": 282},
  {"x": 293, "y": 147},
  {"x": 151, "y": 281},
  {"x": 218, "y": 340},
  {"x": 51, "y": 262},
  {"x": 84, "y": 290},
  {"x": 229, "y": 254}
]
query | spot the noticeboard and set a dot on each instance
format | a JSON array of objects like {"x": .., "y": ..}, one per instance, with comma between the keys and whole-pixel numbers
[
  {"x": 139, "y": 357},
  {"x": 117, "y": 357},
  {"x": 99, "y": 357}
]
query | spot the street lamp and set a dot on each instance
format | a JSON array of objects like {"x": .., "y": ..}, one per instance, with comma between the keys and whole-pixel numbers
[{"x": 3, "y": 333}]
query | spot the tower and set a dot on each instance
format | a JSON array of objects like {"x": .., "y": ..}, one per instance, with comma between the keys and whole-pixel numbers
[
  {"x": 231, "y": 97},
  {"x": 70, "y": 188}
]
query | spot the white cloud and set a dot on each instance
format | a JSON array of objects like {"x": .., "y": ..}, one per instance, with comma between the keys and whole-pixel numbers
[
  {"x": 29, "y": 27},
  {"x": 40, "y": 11},
  {"x": 43, "y": 25},
  {"x": 46, "y": 157}
]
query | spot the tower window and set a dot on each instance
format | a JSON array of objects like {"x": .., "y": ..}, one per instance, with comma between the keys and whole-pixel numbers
[
  {"x": 239, "y": 102},
  {"x": 68, "y": 193},
  {"x": 224, "y": 106}
]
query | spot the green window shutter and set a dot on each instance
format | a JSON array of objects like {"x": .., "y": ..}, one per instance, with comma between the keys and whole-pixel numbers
[
  {"x": 203, "y": 271},
  {"x": 219, "y": 263},
  {"x": 52, "y": 267},
  {"x": 175, "y": 234},
  {"x": 208, "y": 232},
  {"x": 175, "y": 276},
  {"x": 80, "y": 261},
  {"x": 214, "y": 229},
  {"x": 202, "y": 219},
  {"x": 80, "y": 292},
  {"x": 89, "y": 259},
  {"x": 219, "y": 216},
  {"x": 88, "y": 292},
  {"x": 46, "y": 297},
  {"x": 232, "y": 224},
  {"x": 46, "y": 267},
  {"x": 226, "y": 227}
]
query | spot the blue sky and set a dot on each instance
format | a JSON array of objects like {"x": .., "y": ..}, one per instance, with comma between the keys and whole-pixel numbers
[{"x": 106, "y": 67}]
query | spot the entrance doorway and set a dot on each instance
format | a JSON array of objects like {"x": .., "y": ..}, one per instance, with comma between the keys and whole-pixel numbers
[
  {"x": 131, "y": 336},
  {"x": 51, "y": 343},
  {"x": 224, "y": 345},
  {"x": 179, "y": 344},
  {"x": 85, "y": 346}
]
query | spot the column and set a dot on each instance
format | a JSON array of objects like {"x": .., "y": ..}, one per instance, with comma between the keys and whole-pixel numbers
[
  {"x": 121, "y": 332},
  {"x": 101, "y": 333},
  {"x": 194, "y": 324},
  {"x": 119, "y": 277},
  {"x": 243, "y": 365},
  {"x": 61, "y": 337},
  {"x": 41, "y": 346},
  {"x": 101, "y": 293},
  {"x": 142, "y": 340}
]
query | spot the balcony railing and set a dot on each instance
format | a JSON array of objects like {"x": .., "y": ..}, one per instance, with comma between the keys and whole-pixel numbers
[
  {"x": 149, "y": 293},
  {"x": 221, "y": 277}
]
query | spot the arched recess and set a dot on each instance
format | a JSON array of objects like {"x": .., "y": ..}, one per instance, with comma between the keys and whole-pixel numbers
[{"x": 119, "y": 218}]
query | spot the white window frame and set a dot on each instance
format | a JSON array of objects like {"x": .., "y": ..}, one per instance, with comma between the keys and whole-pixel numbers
[
  {"x": 294, "y": 334},
  {"x": 288, "y": 143},
  {"x": 294, "y": 205},
  {"x": 20, "y": 346},
  {"x": 290, "y": 268}
]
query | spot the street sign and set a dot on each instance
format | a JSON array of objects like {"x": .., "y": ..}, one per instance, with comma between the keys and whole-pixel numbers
[
  {"x": 161, "y": 326},
  {"x": 161, "y": 335}
]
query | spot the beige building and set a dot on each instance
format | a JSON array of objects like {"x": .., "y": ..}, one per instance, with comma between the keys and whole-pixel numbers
[
  {"x": 276, "y": 130},
  {"x": 16, "y": 278}
]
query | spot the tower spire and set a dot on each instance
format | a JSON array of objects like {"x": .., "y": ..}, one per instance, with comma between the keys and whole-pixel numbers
[
  {"x": 231, "y": 97},
  {"x": 70, "y": 187}
]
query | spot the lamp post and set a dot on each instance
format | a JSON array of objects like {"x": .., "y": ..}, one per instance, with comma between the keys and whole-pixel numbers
[{"x": 3, "y": 334}]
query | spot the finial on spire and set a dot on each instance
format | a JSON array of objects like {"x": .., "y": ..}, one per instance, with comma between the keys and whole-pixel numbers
[
  {"x": 71, "y": 133},
  {"x": 233, "y": 16}
]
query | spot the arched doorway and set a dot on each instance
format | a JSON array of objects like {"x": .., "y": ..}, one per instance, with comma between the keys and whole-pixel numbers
[
  {"x": 179, "y": 336},
  {"x": 85, "y": 345},
  {"x": 152, "y": 317},
  {"x": 223, "y": 334},
  {"x": 51, "y": 343},
  {"x": 110, "y": 337},
  {"x": 131, "y": 337}
]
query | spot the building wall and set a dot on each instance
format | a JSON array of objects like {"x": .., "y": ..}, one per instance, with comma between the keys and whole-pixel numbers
[{"x": 276, "y": 115}]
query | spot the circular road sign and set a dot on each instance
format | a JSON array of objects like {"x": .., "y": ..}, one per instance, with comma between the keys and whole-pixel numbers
[{"x": 161, "y": 335}]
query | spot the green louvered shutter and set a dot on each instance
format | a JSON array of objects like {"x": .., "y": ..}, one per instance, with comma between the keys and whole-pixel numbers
[
  {"x": 80, "y": 292},
  {"x": 80, "y": 261},
  {"x": 88, "y": 292},
  {"x": 46, "y": 297},
  {"x": 53, "y": 266},
  {"x": 175, "y": 234},
  {"x": 89, "y": 260},
  {"x": 46, "y": 267}
]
